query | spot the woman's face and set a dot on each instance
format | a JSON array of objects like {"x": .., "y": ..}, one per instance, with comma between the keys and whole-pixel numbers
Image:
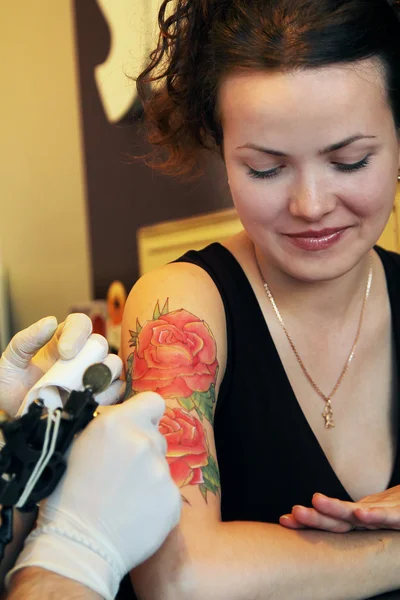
[{"x": 312, "y": 159}]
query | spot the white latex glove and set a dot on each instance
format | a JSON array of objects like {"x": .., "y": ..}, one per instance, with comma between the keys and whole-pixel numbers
[
  {"x": 33, "y": 351},
  {"x": 116, "y": 504}
]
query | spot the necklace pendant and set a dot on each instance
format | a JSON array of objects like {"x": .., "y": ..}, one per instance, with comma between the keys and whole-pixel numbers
[
  {"x": 328, "y": 415},
  {"x": 328, "y": 412}
]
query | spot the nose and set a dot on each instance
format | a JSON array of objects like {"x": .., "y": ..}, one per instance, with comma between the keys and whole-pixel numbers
[{"x": 310, "y": 200}]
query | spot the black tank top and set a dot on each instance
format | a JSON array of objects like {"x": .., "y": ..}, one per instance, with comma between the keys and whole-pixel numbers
[{"x": 268, "y": 456}]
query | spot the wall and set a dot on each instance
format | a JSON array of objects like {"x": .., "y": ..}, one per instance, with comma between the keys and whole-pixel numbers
[
  {"x": 62, "y": 167},
  {"x": 43, "y": 232},
  {"x": 123, "y": 196}
]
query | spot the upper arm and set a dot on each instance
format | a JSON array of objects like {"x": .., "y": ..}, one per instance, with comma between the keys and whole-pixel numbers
[{"x": 174, "y": 343}]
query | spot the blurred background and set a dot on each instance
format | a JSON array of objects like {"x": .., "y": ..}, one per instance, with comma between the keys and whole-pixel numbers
[
  {"x": 76, "y": 215},
  {"x": 71, "y": 203}
]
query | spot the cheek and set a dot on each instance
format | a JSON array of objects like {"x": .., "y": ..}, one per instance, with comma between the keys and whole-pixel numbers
[
  {"x": 254, "y": 204},
  {"x": 374, "y": 197}
]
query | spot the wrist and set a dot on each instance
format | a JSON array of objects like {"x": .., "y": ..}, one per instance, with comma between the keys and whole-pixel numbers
[
  {"x": 39, "y": 584},
  {"x": 65, "y": 552}
]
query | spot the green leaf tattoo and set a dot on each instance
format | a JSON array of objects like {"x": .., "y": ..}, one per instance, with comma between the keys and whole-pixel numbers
[
  {"x": 211, "y": 475},
  {"x": 129, "y": 392},
  {"x": 203, "y": 490},
  {"x": 165, "y": 309},
  {"x": 186, "y": 403},
  {"x": 157, "y": 312},
  {"x": 134, "y": 333}
]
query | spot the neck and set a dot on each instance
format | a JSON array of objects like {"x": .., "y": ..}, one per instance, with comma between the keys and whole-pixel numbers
[{"x": 328, "y": 301}]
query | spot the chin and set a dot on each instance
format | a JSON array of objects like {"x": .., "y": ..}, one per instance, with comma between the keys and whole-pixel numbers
[
  {"x": 321, "y": 265},
  {"x": 317, "y": 273}
]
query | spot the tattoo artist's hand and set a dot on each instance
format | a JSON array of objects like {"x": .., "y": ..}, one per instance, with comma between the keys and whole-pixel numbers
[
  {"x": 33, "y": 351},
  {"x": 116, "y": 503},
  {"x": 376, "y": 511}
]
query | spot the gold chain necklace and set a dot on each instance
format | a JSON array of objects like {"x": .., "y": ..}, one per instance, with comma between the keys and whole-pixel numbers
[{"x": 328, "y": 412}]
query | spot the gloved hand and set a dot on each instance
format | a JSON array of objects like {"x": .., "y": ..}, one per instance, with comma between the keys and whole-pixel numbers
[
  {"x": 33, "y": 351},
  {"x": 116, "y": 504}
]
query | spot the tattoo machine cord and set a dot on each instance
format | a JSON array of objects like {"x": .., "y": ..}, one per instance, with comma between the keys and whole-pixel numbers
[{"x": 32, "y": 448}]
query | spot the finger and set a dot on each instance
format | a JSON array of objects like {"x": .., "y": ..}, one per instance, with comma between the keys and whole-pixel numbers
[
  {"x": 144, "y": 411},
  {"x": 26, "y": 343},
  {"x": 315, "y": 520},
  {"x": 72, "y": 335},
  {"x": 115, "y": 392},
  {"x": 114, "y": 363},
  {"x": 290, "y": 522},
  {"x": 379, "y": 516},
  {"x": 333, "y": 507},
  {"x": 112, "y": 395},
  {"x": 145, "y": 408}
]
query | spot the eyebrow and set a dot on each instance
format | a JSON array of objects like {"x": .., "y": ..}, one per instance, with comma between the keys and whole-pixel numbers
[{"x": 327, "y": 150}]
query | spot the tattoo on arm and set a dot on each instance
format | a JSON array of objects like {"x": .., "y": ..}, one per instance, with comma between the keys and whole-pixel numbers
[{"x": 175, "y": 354}]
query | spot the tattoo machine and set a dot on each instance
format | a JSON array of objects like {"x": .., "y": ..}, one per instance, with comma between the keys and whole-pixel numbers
[{"x": 32, "y": 447}]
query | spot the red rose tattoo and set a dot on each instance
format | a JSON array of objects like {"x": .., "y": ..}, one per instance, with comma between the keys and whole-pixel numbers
[
  {"x": 175, "y": 355},
  {"x": 187, "y": 448}
]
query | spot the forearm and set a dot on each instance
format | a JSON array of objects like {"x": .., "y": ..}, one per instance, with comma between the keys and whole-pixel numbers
[
  {"x": 242, "y": 561},
  {"x": 38, "y": 584}
]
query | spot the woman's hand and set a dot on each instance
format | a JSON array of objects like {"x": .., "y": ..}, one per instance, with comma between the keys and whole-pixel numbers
[
  {"x": 376, "y": 511},
  {"x": 33, "y": 351}
]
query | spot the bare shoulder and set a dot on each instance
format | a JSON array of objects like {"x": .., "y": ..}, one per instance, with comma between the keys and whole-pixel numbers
[
  {"x": 177, "y": 287},
  {"x": 178, "y": 276}
]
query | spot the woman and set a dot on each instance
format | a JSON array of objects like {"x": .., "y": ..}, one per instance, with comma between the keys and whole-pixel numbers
[{"x": 278, "y": 352}]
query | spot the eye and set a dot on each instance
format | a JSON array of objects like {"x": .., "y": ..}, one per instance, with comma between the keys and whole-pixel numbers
[
  {"x": 349, "y": 168},
  {"x": 264, "y": 174}
]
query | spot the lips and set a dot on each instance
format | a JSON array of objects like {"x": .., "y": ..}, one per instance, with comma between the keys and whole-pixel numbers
[
  {"x": 317, "y": 234},
  {"x": 313, "y": 240}
]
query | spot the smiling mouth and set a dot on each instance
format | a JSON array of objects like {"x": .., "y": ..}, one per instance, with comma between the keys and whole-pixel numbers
[
  {"x": 312, "y": 235},
  {"x": 316, "y": 240}
]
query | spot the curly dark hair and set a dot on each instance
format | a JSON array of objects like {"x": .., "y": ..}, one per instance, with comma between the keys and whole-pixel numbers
[{"x": 202, "y": 40}]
